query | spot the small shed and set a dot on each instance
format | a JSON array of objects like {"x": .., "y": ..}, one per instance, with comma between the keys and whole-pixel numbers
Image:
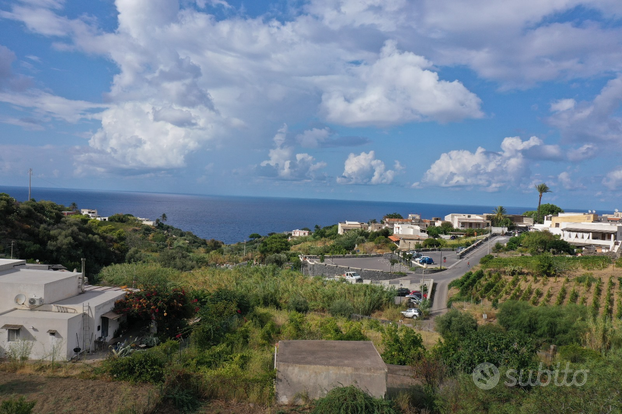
[{"x": 312, "y": 368}]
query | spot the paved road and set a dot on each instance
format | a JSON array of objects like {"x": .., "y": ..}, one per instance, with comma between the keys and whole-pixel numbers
[
  {"x": 456, "y": 268},
  {"x": 442, "y": 279}
]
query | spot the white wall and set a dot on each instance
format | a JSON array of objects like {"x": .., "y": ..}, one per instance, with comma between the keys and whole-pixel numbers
[{"x": 35, "y": 327}]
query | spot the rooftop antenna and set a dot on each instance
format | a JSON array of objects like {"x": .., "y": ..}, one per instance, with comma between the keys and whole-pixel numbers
[{"x": 29, "y": 183}]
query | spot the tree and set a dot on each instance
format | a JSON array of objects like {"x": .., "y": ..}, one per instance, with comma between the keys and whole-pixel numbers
[
  {"x": 499, "y": 215},
  {"x": 541, "y": 188},
  {"x": 276, "y": 243},
  {"x": 163, "y": 218},
  {"x": 255, "y": 236},
  {"x": 393, "y": 216},
  {"x": 456, "y": 323},
  {"x": 431, "y": 243}
]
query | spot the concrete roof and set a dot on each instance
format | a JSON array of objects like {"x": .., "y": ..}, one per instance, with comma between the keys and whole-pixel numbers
[
  {"x": 94, "y": 295},
  {"x": 355, "y": 354},
  {"x": 24, "y": 314},
  {"x": 22, "y": 274},
  {"x": 8, "y": 264}
]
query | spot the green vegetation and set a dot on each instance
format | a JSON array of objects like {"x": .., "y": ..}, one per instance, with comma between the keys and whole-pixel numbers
[
  {"x": 17, "y": 405},
  {"x": 38, "y": 230},
  {"x": 351, "y": 400}
]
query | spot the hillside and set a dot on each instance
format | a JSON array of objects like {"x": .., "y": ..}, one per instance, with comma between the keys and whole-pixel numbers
[{"x": 38, "y": 230}]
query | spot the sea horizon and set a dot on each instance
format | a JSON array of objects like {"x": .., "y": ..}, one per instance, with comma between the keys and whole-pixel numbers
[{"x": 232, "y": 218}]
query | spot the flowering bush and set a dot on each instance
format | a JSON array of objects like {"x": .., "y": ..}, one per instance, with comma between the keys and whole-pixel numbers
[{"x": 168, "y": 307}]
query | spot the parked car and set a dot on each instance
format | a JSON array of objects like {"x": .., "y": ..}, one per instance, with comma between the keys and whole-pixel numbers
[
  {"x": 416, "y": 295},
  {"x": 402, "y": 292},
  {"x": 426, "y": 260},
  {"x": 353, "y": 277},
  {"x": 411, "y": 313}
]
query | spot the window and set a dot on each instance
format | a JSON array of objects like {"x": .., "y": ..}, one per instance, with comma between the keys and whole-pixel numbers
[{"x": 13, "y": 335}]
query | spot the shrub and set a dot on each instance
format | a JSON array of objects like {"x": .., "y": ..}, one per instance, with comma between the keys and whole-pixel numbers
[
  {"x": 455, "y": 323},
  {"x": 143, "y": 366},
  {"x": 402, "y": 346},
  {"x": 298, "y": 304},
  {"x": 486, "y": 259},
  {"x": 17, "y": 406},
  {"x": 341, "y": 308},
  {"x": 351, "y": 400}
]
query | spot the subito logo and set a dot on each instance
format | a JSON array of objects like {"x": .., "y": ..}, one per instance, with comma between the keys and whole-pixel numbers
[{"x": 486, "y": 376}]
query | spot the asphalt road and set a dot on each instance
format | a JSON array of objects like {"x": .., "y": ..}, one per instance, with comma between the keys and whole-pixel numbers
[{"x": 456, "y": 268}]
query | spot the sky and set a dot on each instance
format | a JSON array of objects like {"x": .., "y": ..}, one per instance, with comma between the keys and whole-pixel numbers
[{"x": 451, "y": 102}]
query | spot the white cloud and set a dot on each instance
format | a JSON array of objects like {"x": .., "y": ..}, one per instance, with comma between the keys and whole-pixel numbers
[
  {"x": 488, "y": 170},
  {"x": 366, "y": 169},
  {"x": 396, "y": 88},
  {"x": 563, "y": 105},
  {"x": 613, "y": 179},
  {"x": 568, "y": 182},
  {"x": 313, "y": 138},
  {"x": 285, "y": 165},
  {"x": 592, "y": 122},
  {"x": 582, "y": 153}
]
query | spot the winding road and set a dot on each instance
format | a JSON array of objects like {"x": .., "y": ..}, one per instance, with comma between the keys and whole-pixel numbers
[{"x": 443, "y": 279}]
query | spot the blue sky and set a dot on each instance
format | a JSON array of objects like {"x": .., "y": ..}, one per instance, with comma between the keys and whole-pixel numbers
[{"x": 453, "y": 102}]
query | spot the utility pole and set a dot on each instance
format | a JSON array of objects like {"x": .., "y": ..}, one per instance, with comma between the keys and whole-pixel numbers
[{"x": 29, "y": 183}]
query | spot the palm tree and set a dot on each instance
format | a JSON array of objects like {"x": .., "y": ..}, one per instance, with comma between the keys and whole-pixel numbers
[
  {"x": 542, "y": 188},
  {"x": 499, "y": 215}
]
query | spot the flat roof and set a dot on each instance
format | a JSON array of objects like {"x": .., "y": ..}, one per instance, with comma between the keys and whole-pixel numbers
[
  {"x": 25, "y": 275},
  {"x": 592, "y": 227},
  {"x": 8, "y": 264},
  {"x": 23, "y": 313},
  {"x": 93, "y": 295},
  {"x": 355, "y": 354}
]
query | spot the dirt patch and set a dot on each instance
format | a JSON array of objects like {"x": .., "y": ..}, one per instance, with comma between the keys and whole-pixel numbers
[{"x": 72, "y": 395}]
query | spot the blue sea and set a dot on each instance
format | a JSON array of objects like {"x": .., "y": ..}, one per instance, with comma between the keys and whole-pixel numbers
[{"x": 233, "y": 219}]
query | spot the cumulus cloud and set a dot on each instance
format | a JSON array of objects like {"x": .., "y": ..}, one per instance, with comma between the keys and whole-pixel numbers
[
  {"x": 568, "y": 182},
  {"x": 399, "y": 87},
  {"x": 366, "y": 169},
  {"x": 285, "y": 165},
  {"x": 488, "y": 170},
  {"x": 582, "y": 153},
  {"x": 193, "y": 80},
  {"x": 594, "y": 122},
  {"x": 613, "y": 179}
]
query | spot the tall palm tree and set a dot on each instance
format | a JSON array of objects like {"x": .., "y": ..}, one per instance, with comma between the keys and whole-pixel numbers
[
  {"x": 542, "y": 188},
  {"x": 499, "y": 215}
]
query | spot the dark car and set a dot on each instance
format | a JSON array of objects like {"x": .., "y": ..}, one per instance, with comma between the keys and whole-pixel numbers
[{"x": 402, "y": 292}]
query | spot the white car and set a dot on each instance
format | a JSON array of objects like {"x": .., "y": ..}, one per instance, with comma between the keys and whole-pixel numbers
[
  {"x": 353, "y": 277},
  {"x": 411, "y": 313}
]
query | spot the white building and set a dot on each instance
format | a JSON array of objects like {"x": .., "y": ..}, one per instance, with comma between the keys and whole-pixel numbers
[
  {"x": 53, "y": 312},
  {"x": 409, "y": 229},
  {"x": 350, "y": 225},
  {"x": 89, "y": 212},
  {"x": 300, "y": 233},
  {"x": 467, "y": 221}
]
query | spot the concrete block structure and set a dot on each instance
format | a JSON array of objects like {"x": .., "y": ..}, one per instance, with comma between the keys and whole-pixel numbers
[
  {"x": 312, "y": 368},
  {"x": 51, "y": 313}
]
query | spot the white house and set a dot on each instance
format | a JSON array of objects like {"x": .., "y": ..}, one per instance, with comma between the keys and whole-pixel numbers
[
  {"x": 467, "y": 221},
  {"x": 300, "y": 233},
  {"x": 346, "y": 226},
  {"x": 89, "y": 212},
  {"x": 409, "y": 229},
  {"x": 54, "y": 313}
]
